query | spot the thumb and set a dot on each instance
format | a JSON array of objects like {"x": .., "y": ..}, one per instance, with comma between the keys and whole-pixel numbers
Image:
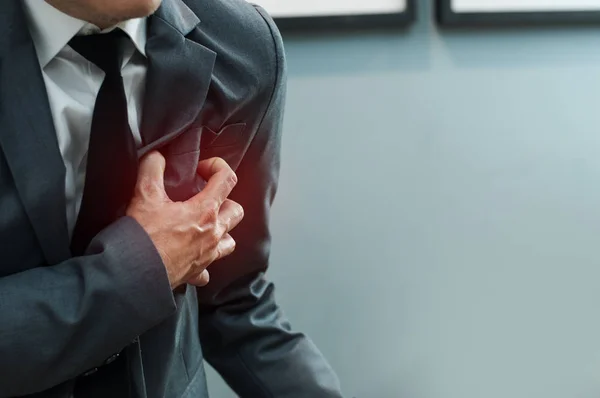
[{"x": 151, "y": 181}]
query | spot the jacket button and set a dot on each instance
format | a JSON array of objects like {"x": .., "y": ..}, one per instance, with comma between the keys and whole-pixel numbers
[{"x": 111, "y": 359}]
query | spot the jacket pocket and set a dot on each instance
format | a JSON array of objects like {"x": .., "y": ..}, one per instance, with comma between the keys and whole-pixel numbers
[{"x": 226, "y": 136}]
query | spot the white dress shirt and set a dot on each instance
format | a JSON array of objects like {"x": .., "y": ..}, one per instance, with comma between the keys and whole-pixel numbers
[{"x": 73, "y": 83}]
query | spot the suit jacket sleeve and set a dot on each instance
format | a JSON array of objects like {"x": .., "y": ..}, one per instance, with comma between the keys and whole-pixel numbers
[
  {"x": 244, "y": 333},
  {"x": 60, "y": 321}
]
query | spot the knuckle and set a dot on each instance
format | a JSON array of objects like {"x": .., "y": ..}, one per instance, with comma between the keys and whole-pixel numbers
[
  {"x": 217, "y": 254},
  {"x": 144, "y": 188},
  {"x": 219, "y": 163},
  {"x": 143, "y": 184},
  {"x": 211, "y": 204},
  {"x": 233, "y": 178},
  {"x": 230, "y": 179},
  {"x": 210, "y": 211},
  {"x": 157, "y": 157},
  {"x": 147, "y": 185},
  {"x": 197, "y": 266},
  {"x": 150, "y": 158},
  {"x": 214, "y": 238}
]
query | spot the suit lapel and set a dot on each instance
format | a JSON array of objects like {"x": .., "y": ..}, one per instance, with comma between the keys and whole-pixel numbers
[
  {"x": 27, "y": 135},
  {"x": 179, "y": 75},
  {"x": 178, "y": 79}
]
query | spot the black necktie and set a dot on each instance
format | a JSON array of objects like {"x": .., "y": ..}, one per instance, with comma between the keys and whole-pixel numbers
[{"x": 112, "y": 163}]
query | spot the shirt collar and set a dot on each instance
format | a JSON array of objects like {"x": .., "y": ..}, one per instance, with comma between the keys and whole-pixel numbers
[{"x": 52, "y": 29}]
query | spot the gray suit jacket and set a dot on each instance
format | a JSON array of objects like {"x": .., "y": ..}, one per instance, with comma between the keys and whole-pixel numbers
[{"x": 216, "y": 85}]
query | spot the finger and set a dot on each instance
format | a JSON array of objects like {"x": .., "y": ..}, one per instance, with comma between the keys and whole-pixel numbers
[
  {"x": 230, "y": 214},
  {"x": 207, "y": 168},
  {"x": 221, "y": 180},
  {"x": 151, "y": 173},
  {"x": 225, "y": 247},
  {"x": 200, "y": 280}
]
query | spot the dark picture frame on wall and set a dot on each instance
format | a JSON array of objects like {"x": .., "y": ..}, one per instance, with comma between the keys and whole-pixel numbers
[
  {"x": 317, "y": 15},
  {"x": 517, "y": 12}
]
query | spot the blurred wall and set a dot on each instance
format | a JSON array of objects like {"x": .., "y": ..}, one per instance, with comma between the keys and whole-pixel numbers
[{"x": 437, "y": 229}]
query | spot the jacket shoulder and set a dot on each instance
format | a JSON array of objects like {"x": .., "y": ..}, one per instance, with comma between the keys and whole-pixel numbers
[{"x": 237, "y": 28}]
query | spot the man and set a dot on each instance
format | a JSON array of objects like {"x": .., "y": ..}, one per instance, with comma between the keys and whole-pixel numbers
[{"x": 134, "y": 137}]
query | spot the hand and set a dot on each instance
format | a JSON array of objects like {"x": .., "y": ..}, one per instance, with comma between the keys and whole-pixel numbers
[{"x": 188, "y": 235}]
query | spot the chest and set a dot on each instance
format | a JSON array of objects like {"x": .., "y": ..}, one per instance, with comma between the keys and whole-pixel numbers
[
  {"x": 190, "y": 110},
  {"x": 26, "y": 224}
]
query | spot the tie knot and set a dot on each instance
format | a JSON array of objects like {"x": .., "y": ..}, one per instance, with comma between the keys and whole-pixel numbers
[{"x": 104, "y": 50}]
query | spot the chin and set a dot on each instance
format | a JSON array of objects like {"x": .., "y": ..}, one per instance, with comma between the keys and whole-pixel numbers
[
  {"x": 139, "y": 8},
  {"x": 115, "y": 11}
]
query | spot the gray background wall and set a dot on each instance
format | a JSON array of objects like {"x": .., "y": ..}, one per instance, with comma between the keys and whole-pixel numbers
[{"x": 437, "y": 230}]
